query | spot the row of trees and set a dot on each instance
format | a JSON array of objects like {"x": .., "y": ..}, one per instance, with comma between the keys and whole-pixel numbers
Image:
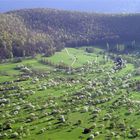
[{"x": 123, "y": 48}]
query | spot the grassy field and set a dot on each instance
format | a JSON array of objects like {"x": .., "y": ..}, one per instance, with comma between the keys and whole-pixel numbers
[
  {"x": 88, "y": 101},
  {"x": 82, "y": 57}
]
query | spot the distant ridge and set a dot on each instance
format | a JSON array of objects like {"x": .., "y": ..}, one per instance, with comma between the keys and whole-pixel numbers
[{"x": 100, "y": 6}]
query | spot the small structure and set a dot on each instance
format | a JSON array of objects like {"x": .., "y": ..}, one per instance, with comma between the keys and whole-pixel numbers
[{"x": 119, "y": 63}]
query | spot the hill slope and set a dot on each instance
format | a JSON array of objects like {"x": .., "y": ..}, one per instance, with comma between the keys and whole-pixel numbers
[{"x": 30, "y": 31}]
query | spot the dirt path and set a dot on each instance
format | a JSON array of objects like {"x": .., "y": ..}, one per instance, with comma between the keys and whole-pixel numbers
[{"x": 71, "y": 56}]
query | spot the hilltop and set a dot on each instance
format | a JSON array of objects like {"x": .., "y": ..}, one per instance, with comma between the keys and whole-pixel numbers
[{"x": 30, "y": 31}]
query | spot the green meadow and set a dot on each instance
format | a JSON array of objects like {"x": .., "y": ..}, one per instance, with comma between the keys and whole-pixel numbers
[{"x": 72, "y": 95}]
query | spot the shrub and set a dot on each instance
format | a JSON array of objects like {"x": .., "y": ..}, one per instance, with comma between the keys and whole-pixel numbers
[
  {"x": 17, "y": 60},
  {"x": 89, "y": 50}
]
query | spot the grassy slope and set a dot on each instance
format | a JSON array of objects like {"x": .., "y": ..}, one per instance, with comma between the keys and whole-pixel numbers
[{"x": 41, "y": 96}]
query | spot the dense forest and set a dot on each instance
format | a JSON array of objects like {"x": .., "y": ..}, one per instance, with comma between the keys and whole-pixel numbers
[{"x": 31, "y": 31}]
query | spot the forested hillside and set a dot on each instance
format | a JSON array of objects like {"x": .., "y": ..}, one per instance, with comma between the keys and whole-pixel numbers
[{"x": 31, "y": 31}]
